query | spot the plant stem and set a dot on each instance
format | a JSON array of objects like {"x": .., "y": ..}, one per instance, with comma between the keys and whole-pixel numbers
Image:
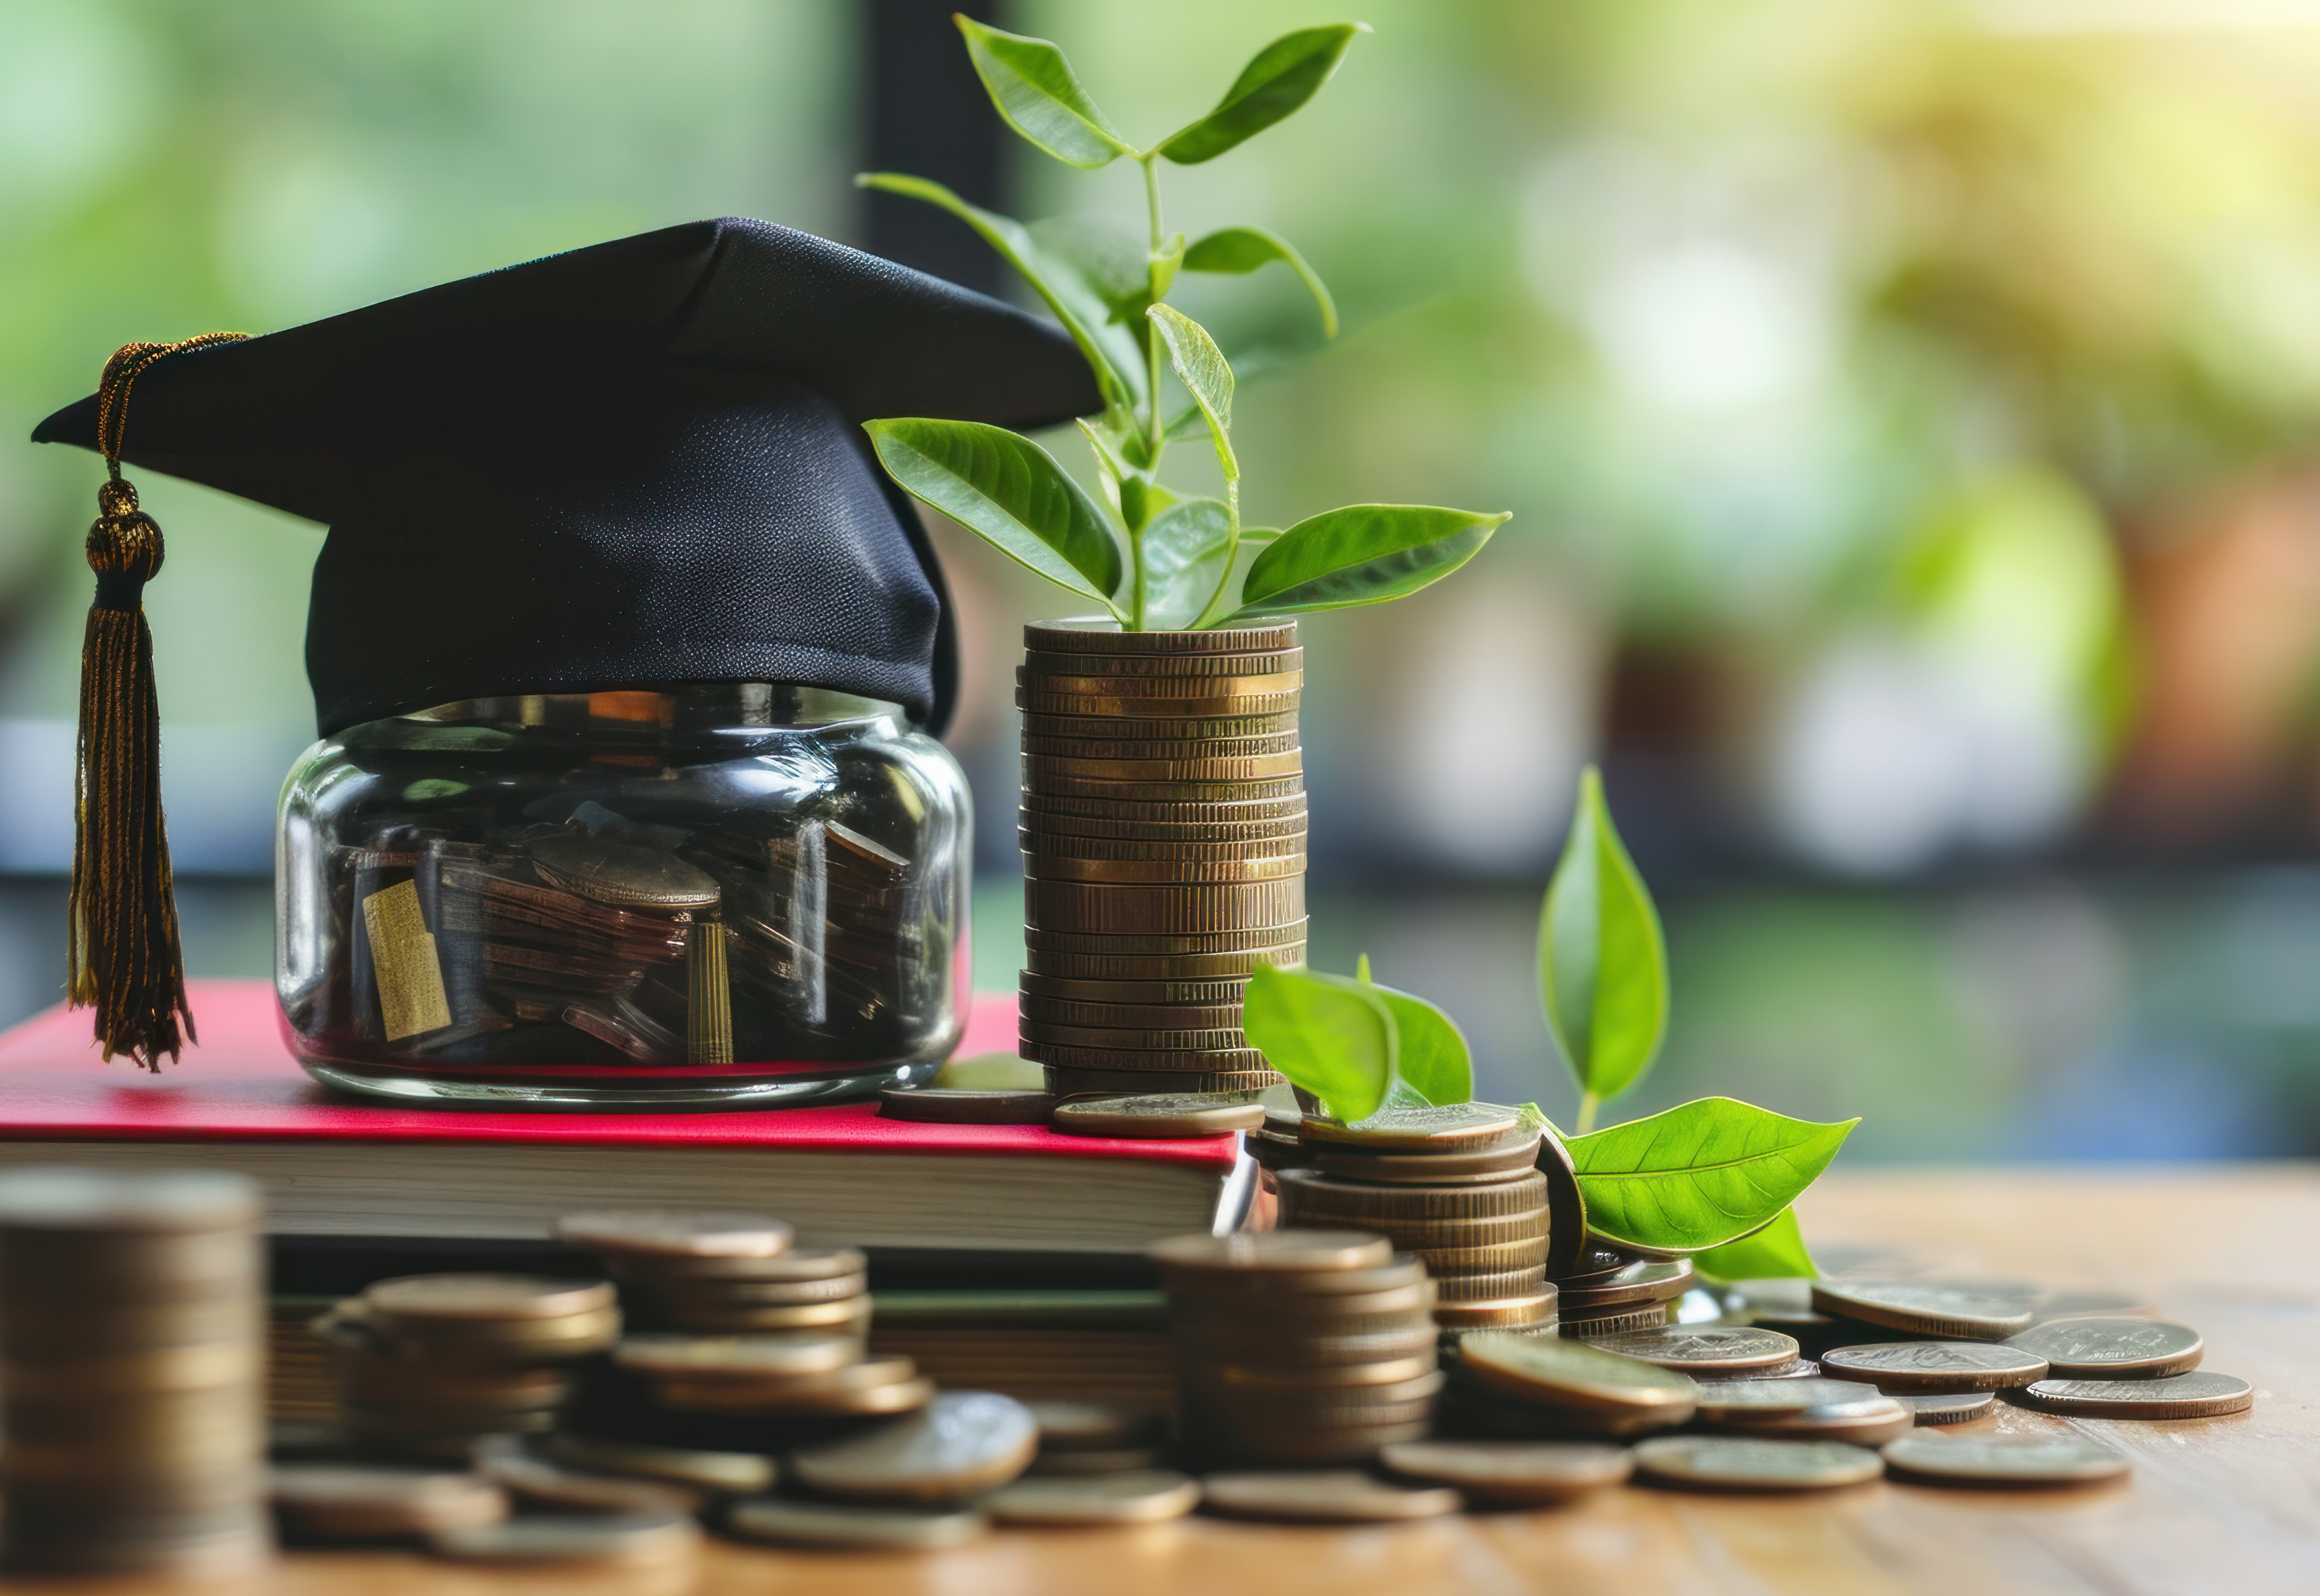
[
  {"x": 1154, "y": 442},
  {"x": 1588, "y": 1103}
]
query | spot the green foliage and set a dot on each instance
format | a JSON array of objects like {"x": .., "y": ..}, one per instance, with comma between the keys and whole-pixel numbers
[
  {"x": 1430, "y": 1058},
  {"x": 1329, "y": 1034},
  {"x": 1108, "y": 291},
  {"x": 1776, "y": 1252},
  {"x": 1010, "y": 491},
  {"x": 1603, "y": 959},
  {"x": 1700, "y": 1174}
]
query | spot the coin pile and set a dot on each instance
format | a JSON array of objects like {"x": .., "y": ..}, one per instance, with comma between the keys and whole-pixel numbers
[
  {"x": 132, "y": 1389},
  {"x": 1457, "y": 1186},
  {"x": 725, "y": 1273},
  {"x": 430, "y": 1364},
  {"x": 1298, "y": 1347},
  {"x": 1517, "y": 1385},
  {"x": 1612, "y": 1292},
  {"x": 1164, "y": 845}
]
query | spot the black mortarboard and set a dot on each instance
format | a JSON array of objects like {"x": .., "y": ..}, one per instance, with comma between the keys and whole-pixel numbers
[
  {"x": 630, "y": 466},
  {"x": 633, "y": 464}
]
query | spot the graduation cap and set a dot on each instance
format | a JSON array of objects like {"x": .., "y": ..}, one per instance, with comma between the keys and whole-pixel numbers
[{"x": 636, "y": 463}]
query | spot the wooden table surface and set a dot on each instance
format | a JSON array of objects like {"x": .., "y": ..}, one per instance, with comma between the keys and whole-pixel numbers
[{"x": 2226, "y": 1505}]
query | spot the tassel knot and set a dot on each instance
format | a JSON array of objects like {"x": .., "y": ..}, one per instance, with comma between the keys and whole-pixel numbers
[{"x": 125, "y": 546}]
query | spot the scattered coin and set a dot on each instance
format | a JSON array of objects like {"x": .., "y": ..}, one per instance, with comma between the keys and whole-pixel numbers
[
  {"x": 2094, "y": 1305},
  {"x": 1161, "y": 1114},
  {"x": 2003, "y": 1460},
  {"x": 1967, "y": 1312},
  {"x": 677, "y": 1234},
  {"x": 841, "y": 1525},
  {"x": 1118, "y": 1460},
  {"x": 1707, "y": 1349},
  {"x": 1579, "y": 1374},
  {"x": 2112, "y": 1348},
  {"x": 962, "y": 1444},
  {"x": 1492, "y": 1163},
  {"x": 1089, "y": 1427},
  {"x": 1949, "y": 1407},
  {"x": 626, "y": 1538},
  {"x": 728, "y": 1473},
  {"x": 941, "y": 1105},
  {"x": 1751, "y": 1399},
  {"x": 2200, "y": 1394},
  {"x": 1134, "y": 1498},
  {"x": 1332, "y": 1497},
  {"x": 537, "y": 1480},
  {"x": 1456, "y": 1127},
  {"x": 343, "y": 1501},
  {"x": 1511, "y": 1473},
  {"x": 1855, "y": 1424},
  {"x": 1647, "y": 1279},
  {"x": 417, "y": 1299},
  {"x": 1741, "y": 1463},
  {"x": 1936, "y": 1366},
  {"x": 798, "y": 1264}
]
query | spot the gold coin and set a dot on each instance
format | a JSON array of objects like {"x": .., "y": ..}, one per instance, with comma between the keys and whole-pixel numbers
[
  {"x": 1324, "y": 1199},
  {"x": 1125, "y": 711},
  {"x": 1165, "y": 792},
  {"x": 1065, "y": 1081},
  {"x": 1498, "y": 1313},
  {"x": 1044, "y": 844},
  {"x": 1490, "y": 1163},
  {"x": 1505, "y": 1243},
  {"x": 1090, "y": 909},
  {"x": 1129, "y": 1016},
  {"x": 1181, "y": 729},
  {"x": 1207, "y": 1060},
  {"x": 1049, "y": 867},
  {"x": 1097, "y": 634},
  {"x": 1064, "y": 832},
  {"x": 1113, "y": 747},
  {"x": 1141, "y": 1040},
  {"x": 411, "y": 1300},
  {"x": 1043, "y": 663},
  {"x": 1194, "y": 993},
  {"x": 1255, "y": 1252},
  {"x": 1169, "y": 966},
  {"x": 1050, "y": 940},
  {"x": 1055, "y": 685},
  {"x": 1204, "y": 768},
  {"x": 1208, "y": 813},
  {"x": 742, "y": 1318},
  {"x": 1491, "y": 1285}
]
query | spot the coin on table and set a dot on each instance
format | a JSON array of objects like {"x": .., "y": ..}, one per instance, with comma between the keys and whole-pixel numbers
[
  {"x": 624, "y": 1538},
  {"x": 1454, "y": 1128},
  {"x": 749, "y": 1357},
  {"x": 1090, "y": 1427},
  {"x": 2199, "y": 1394},
  {"x": 1743, "y": 1462},
  {"x": 1886, "y": 1420},
  {"x": 2112, "y": 1348},
  {"x": 551, "y": 1486},
  {"x": 1511, "y": 1473},
  {"x": 1160, "y": 1115},
  {"x": 411, "y": 1299},
  {"x": 1962, "y": 1311},
  {"x": 1744, "y": 1400},
  {"x": 1270, "y": 1251},
  {"x": 1936, "y": 1366},
  {"x": 1577, "y": 1375},
  {"x": 1706, "y": 1349},
  {"x": 962, "y": 1444},
  {"x": 2089, "y": 1304},
  {"x": 944, "y": 1105},
  {"x": 677, "y": 1233},
  {"x": 1143, "y": 1497},
  {"x": 841, "y": 1526},
  {"x": 344, "y": 1501},
  {"x": 1325, "y": 1497},
  {"x": 1949, "y": 1407},
  {"x": 728, "y": 1473},
  {"x": 2003, "y": 1460}
]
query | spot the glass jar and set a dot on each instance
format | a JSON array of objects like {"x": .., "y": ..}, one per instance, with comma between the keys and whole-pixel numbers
[{"x": 738, "y": 893}]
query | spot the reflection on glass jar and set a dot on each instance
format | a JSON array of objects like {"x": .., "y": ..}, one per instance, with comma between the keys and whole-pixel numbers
[{"x": 732, "y": 893}]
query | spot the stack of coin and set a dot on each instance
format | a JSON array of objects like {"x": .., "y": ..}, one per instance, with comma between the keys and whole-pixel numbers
[
  {"x": 1163, "y": 843},
  {"x": 1298, "y": 1347},
  {"x": 429, "y": 1364},
  {"x": 1610, "y": 1292},
  {"x": 131, "y": 1385},
  {"x": 1455, "y": 1185},
  {"x": 794, "y": 1375},
  {"x": 713, "y": 1274}
]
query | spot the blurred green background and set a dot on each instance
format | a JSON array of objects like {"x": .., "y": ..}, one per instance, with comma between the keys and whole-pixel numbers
[{"x": 1906, "y": 410}]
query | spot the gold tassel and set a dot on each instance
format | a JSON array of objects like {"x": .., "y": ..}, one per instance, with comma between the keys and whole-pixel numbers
[{"x": 121, "y": 956}]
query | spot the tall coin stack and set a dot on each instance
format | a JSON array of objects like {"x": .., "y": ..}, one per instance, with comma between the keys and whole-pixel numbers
[
  {"x": 1456, "y": 1185},
  {"x": 1164, "y": 840},
  {"x": 132, "y": 1405}
]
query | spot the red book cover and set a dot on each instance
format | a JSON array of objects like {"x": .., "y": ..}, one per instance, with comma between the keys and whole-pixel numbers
[{"x": 242, "y": 1085}]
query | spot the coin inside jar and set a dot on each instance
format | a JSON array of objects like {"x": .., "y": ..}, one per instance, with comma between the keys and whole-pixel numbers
[{"x": 606, "y": 871}]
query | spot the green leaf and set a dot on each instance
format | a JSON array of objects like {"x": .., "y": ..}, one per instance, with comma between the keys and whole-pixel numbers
[
  {"x": 1035, "y": 91},
  {"x": 1114, "y": 352},
  {"x": 1363, "y": 554},
  {"x": 1325, "y": 1033},
  {"x": 1700, "y": 1174},
  {"x": 1201, "y": 368},
  {"x": 1430, "y": 1054},
  {"x": 1239, "y": 249},
  {"x": 1278, "y": 80},
  {"x": 1776, "y": 1252},
  {"x": 1602, "y": 960},
  {"x": 1186, "y": 549},
  {"x": 1007, "y": 489},
  {"x": 1108, "y": 258}
]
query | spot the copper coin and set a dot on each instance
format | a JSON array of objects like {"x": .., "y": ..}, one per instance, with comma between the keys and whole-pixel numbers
[
  {"x": 1705, "y": 1348},
  {"x": 847, "y": 1526},
  {"x": 1183, "y": 730},
  {"x": 1062, "y": 831},
  {"x": 737, "y": 1356},
  {"x": 1085, "y": 1427},
  {"x": 677, "y": 1233},
  {"x": 1965, "y": 1313},
  {"x": 1048, "y": 939},
  {"x": 963, "y": 1444},
  {"x": 1936, "y": 1366},
  {"x": 412, "y": 1299},
  {"x": 1172, "y": 792},
  {"x": 1122, "y": 1460},
  {"x": 681, "y": 1293},
  {"x": 1136, "y": 966},
  {"x": 743, "y": 1319},
  {"x": 1647, "y": 1279},
  {"x": 1218, "y": 1038},
  {"x": 1500, "y": 1312},
  {"x": 1193, "y": 764},
  {"x": 1158, "y": 1060},
  {"x": 1097, "y": 634},
  {"x": 1161, "y": 1115},
  {"x": 1042, "y": 849},
  {"x": 1490, "y": 1163},
  {"x": 1068, "y": 663},
  {"x": 1090, "y": 909},
  {"x": 1241, "y": 872},
  {"x": 2200, "y": 1394},
  {"x": 1139, "y": 711},
  {"x": 1319, "y": 1197},
  {"x": 2111, "y": 1349},
  {"x": 1036, "y": 741},
  {"x": 1349, "y": 1497},
  {"x": 937, "y": 1105},
  {"x": 1511, "y": 1473},
  {"x": 1165, "y": 690},
  {"x": 1738, "y": 1463},
  {"x": 2003, "y": 1460}
]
